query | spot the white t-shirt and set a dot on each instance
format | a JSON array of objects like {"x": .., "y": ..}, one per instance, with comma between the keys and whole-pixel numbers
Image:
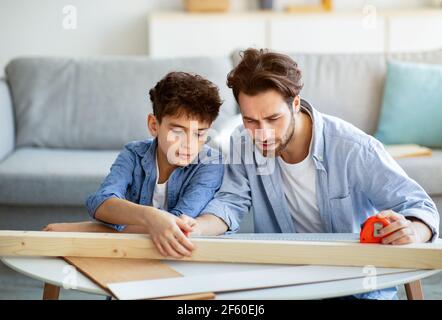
[
  {"x": 299, "y": 186},
  {"x": 159, "y": 199}
]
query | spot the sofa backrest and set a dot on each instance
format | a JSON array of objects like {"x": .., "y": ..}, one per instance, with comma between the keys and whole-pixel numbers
[
  {"x": 350, "y": 86},
  {"x": 6, "y": 121},
  {"x": 102, "y": 103},
  {"x": 344, "y": 85},
  {"x": 96, "y": 103}
]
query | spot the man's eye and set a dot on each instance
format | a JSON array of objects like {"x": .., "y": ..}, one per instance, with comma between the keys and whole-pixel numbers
[
  {"x": 273, "y": 119},
  {"x": 201, "y": 134}
]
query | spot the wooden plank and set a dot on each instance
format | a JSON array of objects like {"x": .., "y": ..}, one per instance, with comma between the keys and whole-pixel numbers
[
  {"x": 110, "y": 245},
  {"x": 234, "y": 281},
  {"x": 103, "y": 271}
]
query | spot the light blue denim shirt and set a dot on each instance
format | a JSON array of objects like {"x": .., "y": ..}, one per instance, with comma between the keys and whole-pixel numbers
[
  {"x": 355, "y": 179},
  {"x": 133, "y": 177}
]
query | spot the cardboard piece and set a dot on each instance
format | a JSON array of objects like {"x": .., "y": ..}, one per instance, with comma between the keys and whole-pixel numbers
[{"x": 103, "y": 271}]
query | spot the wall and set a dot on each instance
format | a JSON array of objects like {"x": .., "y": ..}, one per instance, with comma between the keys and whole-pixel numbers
[{"x": 34, "y": 27}]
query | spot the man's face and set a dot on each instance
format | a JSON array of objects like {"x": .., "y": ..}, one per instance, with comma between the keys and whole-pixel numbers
[
  {"x": 179, "y": 138},
  {"x": 269, "y": 120}
]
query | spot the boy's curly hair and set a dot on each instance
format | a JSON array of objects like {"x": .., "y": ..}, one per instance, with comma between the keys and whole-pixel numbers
[{"x": 183, "y": 93}]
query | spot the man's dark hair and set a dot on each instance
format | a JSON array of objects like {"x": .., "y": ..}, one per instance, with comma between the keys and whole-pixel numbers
[
  {"x": 262, "y": 70},
  {"x": 182, "y": 93}
]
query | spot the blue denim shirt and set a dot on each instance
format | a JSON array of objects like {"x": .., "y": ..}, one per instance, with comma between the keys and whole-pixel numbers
[
  {"x": 133, "y": 177},
  {"x": 355, "y": 179}
]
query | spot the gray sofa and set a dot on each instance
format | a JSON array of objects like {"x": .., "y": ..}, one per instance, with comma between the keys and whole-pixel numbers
[{"x": 62, "y": 121}]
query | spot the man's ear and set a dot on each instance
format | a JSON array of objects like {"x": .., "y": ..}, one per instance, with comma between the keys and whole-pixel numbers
[
  {"x": 296, "y": 104},
  {"x": 152, "y": 125}
]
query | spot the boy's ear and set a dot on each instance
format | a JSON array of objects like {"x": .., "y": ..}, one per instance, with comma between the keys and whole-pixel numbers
[{"x": 152, "y": 125}]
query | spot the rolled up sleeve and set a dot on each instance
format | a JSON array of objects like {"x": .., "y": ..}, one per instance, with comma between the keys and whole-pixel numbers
[
  {"x": 389, "y": 188},
  {"x": 200, "y": 190},
  {"x": 233, "y": 199},
  {"x": 115, "y": 185}
]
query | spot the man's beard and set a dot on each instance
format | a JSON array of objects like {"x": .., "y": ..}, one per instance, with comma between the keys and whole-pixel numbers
[{"x": 286, "y": 138}]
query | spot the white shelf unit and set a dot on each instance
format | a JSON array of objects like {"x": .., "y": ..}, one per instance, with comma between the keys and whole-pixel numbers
[
  {"x": 180, "y": 34},
  {"x": 326, "y": 34},
  {"x": 414, "y": 32}
]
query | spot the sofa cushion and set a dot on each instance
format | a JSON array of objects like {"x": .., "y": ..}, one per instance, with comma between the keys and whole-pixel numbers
[
  {"x": 37, "y": 176},
  {"x": 34, "y": 176},
  {"x": 427, "y": 171},
  {"x": 97, "y": 103},
  {"x": 412, "y": 105}
]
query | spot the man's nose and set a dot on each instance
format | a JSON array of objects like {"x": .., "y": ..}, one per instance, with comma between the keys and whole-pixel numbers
[{"x": 265, "y": 133}]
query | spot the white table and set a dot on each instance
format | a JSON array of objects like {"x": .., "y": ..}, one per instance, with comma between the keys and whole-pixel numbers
[{"x": 56, "y": 273}]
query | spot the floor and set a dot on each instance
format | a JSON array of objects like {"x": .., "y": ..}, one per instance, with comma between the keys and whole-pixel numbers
[{"x": 15, "y": 286}]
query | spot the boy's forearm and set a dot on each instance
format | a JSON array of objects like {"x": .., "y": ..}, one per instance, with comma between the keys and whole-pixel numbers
[
  {"x": 211, "y": 225},
  {"x": 89, "y": 226},
  {"x": 120, "y": 211}
]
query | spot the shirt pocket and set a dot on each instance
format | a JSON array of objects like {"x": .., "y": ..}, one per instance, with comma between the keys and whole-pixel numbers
[{"x": 342, "y": 214}]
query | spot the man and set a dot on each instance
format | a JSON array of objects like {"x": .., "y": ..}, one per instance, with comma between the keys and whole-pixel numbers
[{"x": 309, "y": 172}]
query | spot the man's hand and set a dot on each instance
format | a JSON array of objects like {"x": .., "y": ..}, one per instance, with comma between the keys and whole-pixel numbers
[
  {"x": 402, "y": 230},
  {"x": 167, "y": 233}
]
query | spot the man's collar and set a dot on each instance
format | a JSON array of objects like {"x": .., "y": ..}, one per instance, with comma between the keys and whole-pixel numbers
[{"x": 318, "y": 129}]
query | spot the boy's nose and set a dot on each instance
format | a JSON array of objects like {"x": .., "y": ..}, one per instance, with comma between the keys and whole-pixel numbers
[{"x": 188, "y": 144}]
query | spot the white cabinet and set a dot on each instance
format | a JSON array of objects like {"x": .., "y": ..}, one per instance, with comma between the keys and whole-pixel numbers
[
  {"x": 326, "y": 33},
  {"x": 203, "y": 34},
  {"x": 409, "y": 32},
  {"x": 185, "y": 34}
]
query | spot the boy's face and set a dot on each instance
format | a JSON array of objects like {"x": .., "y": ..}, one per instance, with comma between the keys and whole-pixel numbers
[{"x": 179, "y": 138}]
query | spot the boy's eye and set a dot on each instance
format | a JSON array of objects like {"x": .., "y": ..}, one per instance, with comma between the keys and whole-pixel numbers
[{"x": 201, "y": 133}]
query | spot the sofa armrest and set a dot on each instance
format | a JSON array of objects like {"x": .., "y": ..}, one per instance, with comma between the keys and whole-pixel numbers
[{"x": 7, "y": 128}]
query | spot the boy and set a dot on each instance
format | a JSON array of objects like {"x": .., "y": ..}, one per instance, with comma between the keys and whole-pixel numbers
[{"x": 159, "y": 186}]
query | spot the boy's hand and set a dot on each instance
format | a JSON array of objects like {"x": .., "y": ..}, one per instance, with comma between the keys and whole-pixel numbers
[
  {"x": 402, "y": 230},
  {"x": 167, "y": 232},
  {"x": 193, "y": 223},
  {"x": 55, "y": 227}
]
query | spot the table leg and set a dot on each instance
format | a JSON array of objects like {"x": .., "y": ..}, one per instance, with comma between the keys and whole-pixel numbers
[
  {"x": 414, "y": 290},
  {"x": 50, "y": 292}
]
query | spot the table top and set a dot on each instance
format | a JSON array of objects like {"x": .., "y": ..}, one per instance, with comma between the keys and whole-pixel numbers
[{"x": 58, "y": 272}]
